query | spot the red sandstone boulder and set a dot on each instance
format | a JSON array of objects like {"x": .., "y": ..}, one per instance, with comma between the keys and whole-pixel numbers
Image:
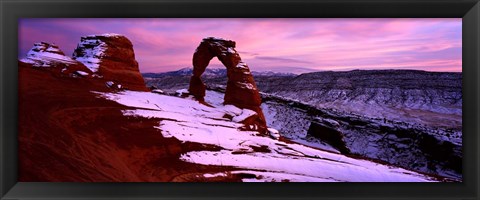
[
  {"x": 241, "y": 89},
  {"x": 112, "y": 57},
  {"x": 50, "y": 56}
]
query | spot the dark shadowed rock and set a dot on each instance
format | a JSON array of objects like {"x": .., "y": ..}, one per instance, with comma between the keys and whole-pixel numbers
[
  {"x": 241, "y": 88},
  {"x": 111, "y": 56},
  {"x": 329, "y": 135}
]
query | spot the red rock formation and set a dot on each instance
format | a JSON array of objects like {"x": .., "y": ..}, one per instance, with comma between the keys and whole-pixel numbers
[
  {"x": 67, "y": 134},
  {"x": 241, "y": 88},
  {"x": 45, "y": 47},
  {"x": 49, "y": 56},
  {"x": 111, "y": 56}
]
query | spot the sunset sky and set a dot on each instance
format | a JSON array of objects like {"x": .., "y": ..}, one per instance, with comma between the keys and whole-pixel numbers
[{"x": 283, "y": 45}]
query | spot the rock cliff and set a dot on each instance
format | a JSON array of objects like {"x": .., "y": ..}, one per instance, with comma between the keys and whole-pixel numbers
[{"x": 111, "y": 56}]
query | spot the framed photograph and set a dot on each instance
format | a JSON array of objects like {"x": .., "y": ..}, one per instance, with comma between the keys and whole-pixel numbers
[{"x": 312, "y": 100}]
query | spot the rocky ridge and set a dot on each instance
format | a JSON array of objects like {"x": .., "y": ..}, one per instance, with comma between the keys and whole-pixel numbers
[
  {"x": 417, "y": 97},
  {"x": 433, "y": 150}
]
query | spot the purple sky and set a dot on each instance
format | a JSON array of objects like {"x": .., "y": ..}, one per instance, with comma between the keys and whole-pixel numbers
[{"x": 284, "y": 45}]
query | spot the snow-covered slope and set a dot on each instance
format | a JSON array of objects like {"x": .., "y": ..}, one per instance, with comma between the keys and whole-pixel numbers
[
  {"x": 45, "y": 54},
  {"x": 266, "y": 158}
]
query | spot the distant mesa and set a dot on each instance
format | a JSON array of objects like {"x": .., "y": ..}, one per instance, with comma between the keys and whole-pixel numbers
[
  {"x": 241, "y": 89},
  {"x": 109, "y": 56}
]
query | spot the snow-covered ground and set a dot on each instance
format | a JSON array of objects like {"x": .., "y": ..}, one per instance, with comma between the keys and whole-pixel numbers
[
  {"x": 42, "y": 58},
  {"x": 293, "y": 129},
  {"x": 266, "y": 158}
]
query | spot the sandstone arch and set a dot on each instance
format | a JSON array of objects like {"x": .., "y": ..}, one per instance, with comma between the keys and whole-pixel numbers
[{"x": 241, "y": 89}]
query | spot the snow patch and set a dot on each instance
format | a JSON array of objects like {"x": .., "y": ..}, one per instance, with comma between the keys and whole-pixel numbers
[
  {"x": 92, "y": 50},
  {"x": 214, "y": 98},
  {"x": 274, "y": 133},
  {"x": 232, "y": 110},
  {"x": 81, "y": 73},
  {"x": 158, "y": 91},
  {"x": 214, "y": 175},
  {"x": 288, "y": 165},
  {"x": 231, "y": 50},
  {"x": 111, "y": 35},
  {"x": 246, "y": 113},
  {"x": 182, "y": 92},
  {"x": 45, "y": 59},
  {"x": 278, "y": 177},
  {"x": 242, "y": 65},
  {"x": 109, "y": 84},
  {"x": 246, "y": 86}
]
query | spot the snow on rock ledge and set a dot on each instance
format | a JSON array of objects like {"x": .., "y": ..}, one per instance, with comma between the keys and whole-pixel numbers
[
  {"x": 266, "y": 158},
  {"x": 44, "y": 54},
  {"x": 49, "y": 55},
  {"x": 111, "y": 56},
  {"x": 89, "y": 52}
]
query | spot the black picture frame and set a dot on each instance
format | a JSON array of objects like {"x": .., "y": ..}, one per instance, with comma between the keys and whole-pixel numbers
[{"x": 11, "y": 11}]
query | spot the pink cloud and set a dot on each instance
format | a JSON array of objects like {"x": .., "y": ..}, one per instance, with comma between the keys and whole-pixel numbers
[{"x": 273, "y": 44}]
